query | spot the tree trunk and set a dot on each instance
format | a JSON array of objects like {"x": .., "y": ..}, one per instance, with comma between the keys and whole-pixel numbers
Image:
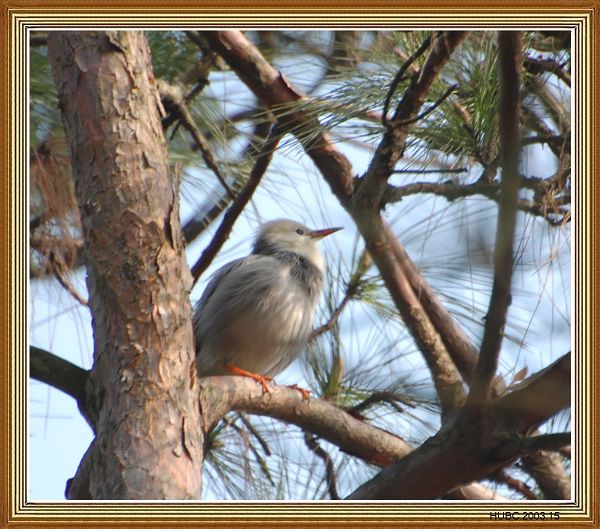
[{"x": 149, "y": 440}]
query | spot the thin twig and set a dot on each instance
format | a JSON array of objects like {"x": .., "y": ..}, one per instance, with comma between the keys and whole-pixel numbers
[
  {"x": 66, "y": 284},
  {"x": 58, "y": 266},
  {"x": 351, "y": 290},
  {"x": 260, "y": 460},
  {"x": 515, "y": 484},
  {"x": 380, "y": 396},
  {"x": 428, "y": 110},
  {"x": 175, "y": 102},
  {"x": 208, "y": 213},
  {"x": 313, "y": 445},
  {"x": 399, "y": 77},
  {"x": 244, "y": 196},
  {"x": 441, "y": 170},
  {"x": 255, "y": 433}
]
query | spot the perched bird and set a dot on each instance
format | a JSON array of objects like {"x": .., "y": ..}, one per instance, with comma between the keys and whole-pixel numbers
[{"x": 256, "y": 314}]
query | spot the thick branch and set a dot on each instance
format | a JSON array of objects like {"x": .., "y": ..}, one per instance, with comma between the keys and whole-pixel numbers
[
  {"x": 548, "y": 470},
  {"x": 510, "y": 141},
  {"x": 274, "y": 91},
  {"x": 58, "y": 373},
  {"x": 219, "y": 395},
  {"x": 536, "y": 398},
  {"x": 519, "y": 444},
  {"x": 64, "y": 376},
  {"x": 464, "y": 451}
]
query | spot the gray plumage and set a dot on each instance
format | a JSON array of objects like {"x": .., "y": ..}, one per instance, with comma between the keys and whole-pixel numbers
[{"x": 257, "y": 312}]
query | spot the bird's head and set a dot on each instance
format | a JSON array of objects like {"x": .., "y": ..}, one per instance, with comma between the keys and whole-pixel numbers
[{"x": 284, "y": 235}]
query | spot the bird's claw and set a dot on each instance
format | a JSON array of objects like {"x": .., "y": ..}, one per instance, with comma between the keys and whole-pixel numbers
[
  {"x": 261, "y": 379},
  {"x": 304, "y": 392}
]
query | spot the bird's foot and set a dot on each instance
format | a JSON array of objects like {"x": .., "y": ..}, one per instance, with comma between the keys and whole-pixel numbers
[
  {"x": 261, "y": 379},
  {"x": 304, "y": 392}
]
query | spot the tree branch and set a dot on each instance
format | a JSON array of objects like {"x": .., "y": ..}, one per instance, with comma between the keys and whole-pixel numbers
[
  {"x": 64, "y": 376},
  {"x": 391, "y": 148},
  {"x": 220, "y": 395},
  {"x": 538, "y": 397},
  {"x": 174, "y": 102},
  {"x": 275, "y": 92},
  {"x": 517, "y": 445},
  {"x": 351, "y": 289},
  {"x": 548, "y": 208},
  {"x": 400, "y": 76},
  {"x": 208, "y": 213},
  {"x": 464, "y": 451},
  {"x": 243, "y": 197},
  {"x": 510, "y": 141},
  {"x": 313, "y": 445},
  {"x": 549, "y": 472},
  {"x": 58, "y": 373}
]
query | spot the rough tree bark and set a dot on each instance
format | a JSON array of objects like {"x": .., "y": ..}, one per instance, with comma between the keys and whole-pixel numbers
[{"x": 149, "y": 436}]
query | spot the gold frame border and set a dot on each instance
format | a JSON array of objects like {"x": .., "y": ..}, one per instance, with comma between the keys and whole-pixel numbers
[{"x": 580, "y": 17}]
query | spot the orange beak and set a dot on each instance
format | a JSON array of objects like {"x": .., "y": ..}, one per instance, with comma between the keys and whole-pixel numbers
[{"x": 319, "y": 234}]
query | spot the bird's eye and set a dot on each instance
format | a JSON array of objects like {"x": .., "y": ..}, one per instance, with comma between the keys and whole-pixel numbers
[{"x": 300, "y": 231}]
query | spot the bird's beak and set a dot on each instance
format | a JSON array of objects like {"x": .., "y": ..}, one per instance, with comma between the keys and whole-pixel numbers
[{"x": 319, "y": 234}]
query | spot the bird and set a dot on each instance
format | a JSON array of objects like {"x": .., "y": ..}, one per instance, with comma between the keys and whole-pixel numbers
[{"x": 256, "y": 314}]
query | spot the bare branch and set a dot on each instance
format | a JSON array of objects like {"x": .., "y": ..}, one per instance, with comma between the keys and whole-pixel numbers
[
  {"x": 58, "y": 373},
  {"x": 464, "y": 451},
  {"x": 243, "y": 197},
  {"x": 510, "y": 52},
  {"x": 64, "y": 376},
  {"x": 313, "y": 446},
  {"x": 219, "y": 395},
  {"x": 381, "y": 243},
  {"x": 400, "y": 76},
  {"x": 391, "y": 148},
  {"x": 174, "y": 102}
]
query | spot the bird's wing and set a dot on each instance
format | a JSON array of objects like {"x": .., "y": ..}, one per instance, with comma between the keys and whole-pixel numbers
[{"x": 216, "y": 280}]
